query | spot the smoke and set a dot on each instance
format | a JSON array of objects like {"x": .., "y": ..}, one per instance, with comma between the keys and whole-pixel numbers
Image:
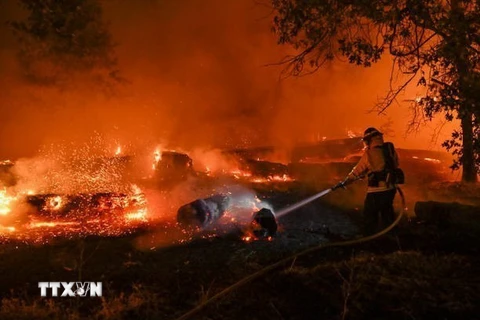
[
  {"x": 212, "y": 161},
  {"x": 198, "y": 79}
]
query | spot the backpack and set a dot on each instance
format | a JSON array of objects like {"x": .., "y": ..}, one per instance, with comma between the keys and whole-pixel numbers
[
  {"x": 394, "y": 175},
  {"x": 391, "y": 174}
]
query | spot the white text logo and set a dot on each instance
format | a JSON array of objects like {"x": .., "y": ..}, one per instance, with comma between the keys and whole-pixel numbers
[{"x": 71, "y": 289}]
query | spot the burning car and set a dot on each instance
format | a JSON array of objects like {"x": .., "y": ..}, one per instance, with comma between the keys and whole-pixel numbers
[{"x": 81, "y": 198}]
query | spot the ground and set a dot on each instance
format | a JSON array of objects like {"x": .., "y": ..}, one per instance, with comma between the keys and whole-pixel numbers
[{"x": 424, "y": 272}]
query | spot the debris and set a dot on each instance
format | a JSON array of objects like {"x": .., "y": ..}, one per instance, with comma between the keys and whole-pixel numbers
[
  {"x": 203, "y": 212},
  {"x": 264, "y": 224}
]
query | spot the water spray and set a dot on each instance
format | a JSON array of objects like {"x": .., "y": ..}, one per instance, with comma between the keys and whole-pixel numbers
[{"x": 300, "y": 204}]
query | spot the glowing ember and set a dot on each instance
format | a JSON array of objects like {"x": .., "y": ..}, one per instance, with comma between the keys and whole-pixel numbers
[
  {"x": 140, "y": 215},
  {"x": 239, "y": 173},
  {"x": 118, "y": 151},
  {"x": 54, "y": 203},
  {"x": 110, "y": 214},
  {"x": 46, "y": 224}
]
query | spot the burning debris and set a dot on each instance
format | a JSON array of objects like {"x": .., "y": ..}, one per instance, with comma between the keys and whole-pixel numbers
[
  {"x": 91, "y": 194},
  {"x": 83, "y": 206},
  {"x": 172, "y": 166},
  {"x": 203, "y": 212},
  {"x": 61, "y": 215},
  {"x": 81, "y": 195},
  {"x": 264, "y": 224}
]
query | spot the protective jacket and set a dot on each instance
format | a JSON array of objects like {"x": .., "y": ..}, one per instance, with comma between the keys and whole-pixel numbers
[{"x": 374, "y": 163}]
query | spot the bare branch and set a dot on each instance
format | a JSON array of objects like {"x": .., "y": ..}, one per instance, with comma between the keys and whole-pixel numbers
[{"x": 392, "y": 95}]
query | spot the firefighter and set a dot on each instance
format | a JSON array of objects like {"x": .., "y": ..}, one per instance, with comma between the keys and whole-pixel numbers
[{"x": 378, "y": 163}]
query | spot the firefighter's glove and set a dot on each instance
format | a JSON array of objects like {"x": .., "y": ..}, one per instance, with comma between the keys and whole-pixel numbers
[{"x": 339, "y": 185}]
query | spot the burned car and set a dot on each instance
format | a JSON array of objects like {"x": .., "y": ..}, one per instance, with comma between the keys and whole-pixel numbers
[
  {"x": 91, "y": 197},
  {"x": 172, "y": 167}
]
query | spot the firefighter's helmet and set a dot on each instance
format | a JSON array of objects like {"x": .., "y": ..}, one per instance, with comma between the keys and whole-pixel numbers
[{"x": 370, "y": 133}]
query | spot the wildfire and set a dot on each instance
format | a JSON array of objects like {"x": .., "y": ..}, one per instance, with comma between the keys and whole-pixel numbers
[
  {"x": 55, "y": 203},
  {"x": 351, "y": 134},
  {"x": 237, "y": 174},
  {"x": 47, "y": 224},
  {"x": 157, "y": 155},
  {"x": 140, "y": 215},
  {"x": 428, "y": 159},
  {"x": 275, "y": 178},
  {"x": 5, "y": 202},
  {"x": 6, "y": 163},
  {"x": 245, "y": 175},
  {"x": 109, "y": 213}
]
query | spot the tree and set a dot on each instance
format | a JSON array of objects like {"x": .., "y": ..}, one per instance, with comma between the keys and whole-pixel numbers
[
  {"x": 61, "y": 38},
  {"x": 433, "y": 42}
]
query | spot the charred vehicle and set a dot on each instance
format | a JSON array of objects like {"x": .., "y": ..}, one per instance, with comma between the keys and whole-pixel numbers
[
  {"x": 79, "y": 198},
  {"x": 171, "y": 167}
]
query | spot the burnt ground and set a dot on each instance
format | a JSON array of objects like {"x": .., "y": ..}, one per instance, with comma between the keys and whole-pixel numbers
[{"x": 425, "y": 272}]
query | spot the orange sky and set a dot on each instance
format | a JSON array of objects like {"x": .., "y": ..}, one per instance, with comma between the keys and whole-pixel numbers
[{"x": 197, "y": 79}]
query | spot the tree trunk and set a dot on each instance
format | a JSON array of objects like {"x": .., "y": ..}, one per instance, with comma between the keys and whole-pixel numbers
[
  {"x": 469, "y": 172},
  {"x": 461, "y": 60}
]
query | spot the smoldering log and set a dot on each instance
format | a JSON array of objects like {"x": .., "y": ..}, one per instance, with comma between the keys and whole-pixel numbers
[
  {"x": 203, "y": 212},
  {"x": 445, "y": 213},
  {"x": 266, "y": 223}
]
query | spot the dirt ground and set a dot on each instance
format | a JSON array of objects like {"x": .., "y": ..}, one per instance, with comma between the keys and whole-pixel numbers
[{"x": 423, "y": 272}]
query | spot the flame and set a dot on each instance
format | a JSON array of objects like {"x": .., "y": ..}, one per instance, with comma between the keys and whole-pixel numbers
[
  {"x": 428, "y": 159},
  {"x": 7, "y": 229},
  {"x": 51, "y": 224},
  {"x": 106, "y": 222},
  {"x": 5, "y": 202},
  {"x": 54, "y": 203},
  {"x": 6, "y": 163},
  {"x": 118, "y": 151},
  {"x": 135, "y": 189},
  {"x": 140, "y": 215},
  {"x": 432, "y": 160},
  {"x": 157, "y": 156}
]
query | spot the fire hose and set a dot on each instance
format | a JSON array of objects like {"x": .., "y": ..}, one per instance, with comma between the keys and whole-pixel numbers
[{"x": 293, "y": 257}]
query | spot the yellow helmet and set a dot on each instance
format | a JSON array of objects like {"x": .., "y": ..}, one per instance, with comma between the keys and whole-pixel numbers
[{"x": 370, "y": 133}]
